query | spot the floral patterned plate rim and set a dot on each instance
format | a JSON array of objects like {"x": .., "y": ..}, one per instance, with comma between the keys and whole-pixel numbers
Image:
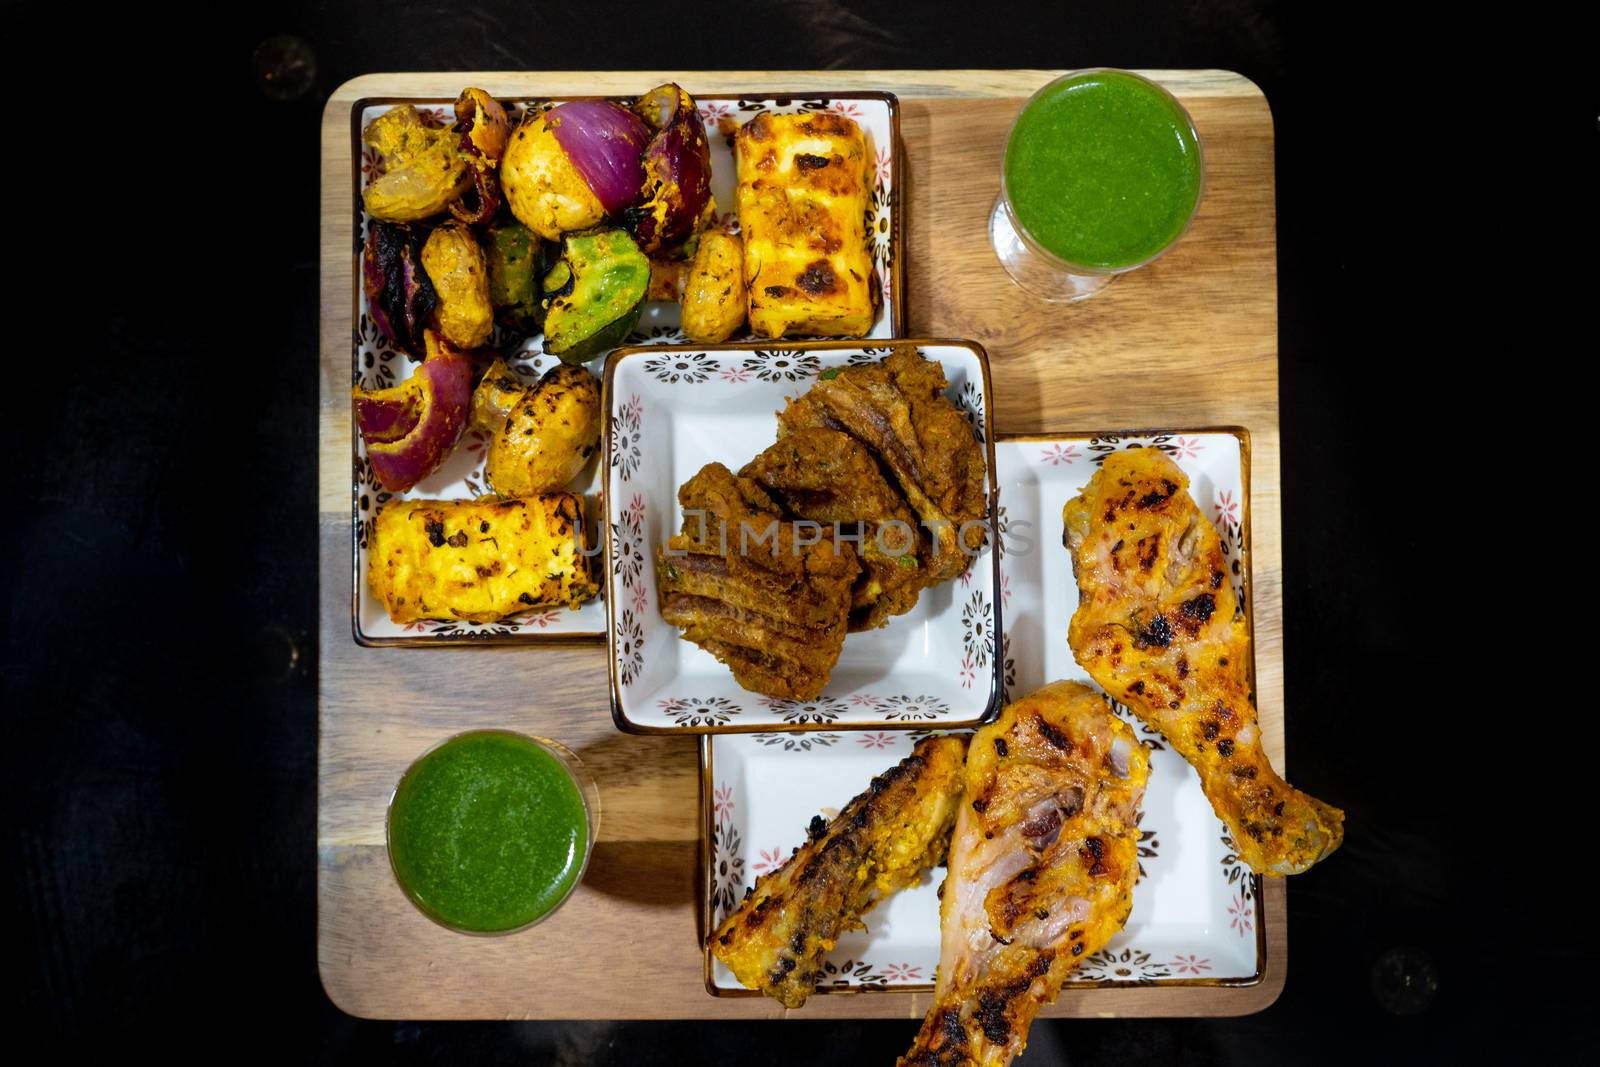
[
  {"x": 670, "y": 411},
  {"x": 377, "y": 364},
  {"x": 877, "y": 113},
  {"x": 461, "y": 477},
  {"x": 1197, "y": 918}
]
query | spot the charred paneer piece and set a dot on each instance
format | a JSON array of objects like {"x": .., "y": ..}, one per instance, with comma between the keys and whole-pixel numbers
[
  {"x": 802, "y": 200},
  {"x": 881, "y": 842},
  {"x": 1158, "y": 626},
  {"x": 745, "y": 584},
  {"x": 898, "y": 410},
  {"x": 479, "y": 561},
  {"x": 1042, "y": 862},
  {"x": 829, "y": 477}
]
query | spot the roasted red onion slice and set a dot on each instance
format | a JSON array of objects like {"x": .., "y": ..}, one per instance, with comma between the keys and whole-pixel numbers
[
  {"x": 604, "y": 141},
  {"x": 658, "y": 105},
  {"x": 483, "y": 126},
  {"x": 387, "y": 414},
  {"x": 677, "y": 166},
  {"x": 477, "y": 206},
  {"x": 400, "y": 298},
  {"x": 485, "y": 131},
  {"x": 410, "y": 428}
]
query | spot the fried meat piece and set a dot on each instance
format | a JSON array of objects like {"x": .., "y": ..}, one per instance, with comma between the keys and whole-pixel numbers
[
  {"x": 752, "y": 589},
  {"x": 829, "y": 477},
  {"x": 897, "y": 408}
]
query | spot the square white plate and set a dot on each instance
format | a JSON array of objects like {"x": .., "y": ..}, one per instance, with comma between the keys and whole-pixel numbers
[
  {"x": 460, "y": 477},
  {"x": 672, "y": 411},
  {"x": 1196, "y": 916},
  {"x": 377, "y": 364}
]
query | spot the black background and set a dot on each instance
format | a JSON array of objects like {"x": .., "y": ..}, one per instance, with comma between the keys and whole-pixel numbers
[{"x": 160, "y": 661}]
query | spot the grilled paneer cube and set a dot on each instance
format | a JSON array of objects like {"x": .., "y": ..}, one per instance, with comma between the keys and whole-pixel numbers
[
  {"x": 802, "y": 201},
  {"x": 479, "y": 562}
]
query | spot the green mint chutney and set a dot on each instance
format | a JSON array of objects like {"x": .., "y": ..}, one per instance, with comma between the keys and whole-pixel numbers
[
  {"x": 1103, "y": 169},
  {"x": 488, "y": 831}
]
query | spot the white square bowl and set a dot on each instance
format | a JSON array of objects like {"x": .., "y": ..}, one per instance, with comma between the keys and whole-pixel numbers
[{"x": 671, "y": 411}]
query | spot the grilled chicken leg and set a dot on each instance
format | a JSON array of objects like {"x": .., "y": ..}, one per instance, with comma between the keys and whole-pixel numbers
[
  {"x": 881, "y": 842},
  {"x": 1156, "y": 626},
  {"x": 1042, "y": 867}
]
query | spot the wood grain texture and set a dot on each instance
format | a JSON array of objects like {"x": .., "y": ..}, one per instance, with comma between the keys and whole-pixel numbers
[{"x": 1189, "y": 341}]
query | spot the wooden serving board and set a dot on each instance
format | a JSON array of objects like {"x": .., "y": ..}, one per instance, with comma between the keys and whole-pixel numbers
[{"x": 1190, "y": 341}]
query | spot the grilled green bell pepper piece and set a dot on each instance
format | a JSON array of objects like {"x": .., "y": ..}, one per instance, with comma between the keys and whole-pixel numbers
[
  {"x": 593, "y": 295},
  {"x": 513, "y": 254}
]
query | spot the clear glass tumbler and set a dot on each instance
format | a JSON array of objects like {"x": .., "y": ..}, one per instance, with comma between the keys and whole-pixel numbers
[
  {"x": 1035, "y": 268},
  {"x": 425, "y": 823}
]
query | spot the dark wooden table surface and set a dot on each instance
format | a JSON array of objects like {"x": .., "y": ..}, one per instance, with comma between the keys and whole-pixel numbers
[{"x": 159, "y": 664}]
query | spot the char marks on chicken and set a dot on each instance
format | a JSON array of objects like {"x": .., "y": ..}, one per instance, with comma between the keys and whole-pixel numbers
[
  {"x": 1042, "y": 866},
  {"x": 1158, "y": 626},
  {"x": 881, "y": 842}
]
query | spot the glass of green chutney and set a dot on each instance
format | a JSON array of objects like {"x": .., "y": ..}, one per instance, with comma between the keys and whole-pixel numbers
[
  {"x": 490, "y": 831},
  {"x": 1103, "y": 173}
]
